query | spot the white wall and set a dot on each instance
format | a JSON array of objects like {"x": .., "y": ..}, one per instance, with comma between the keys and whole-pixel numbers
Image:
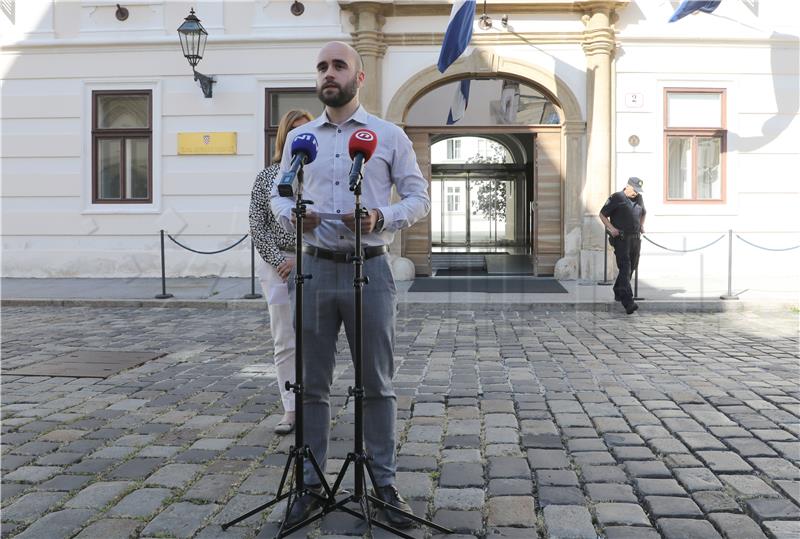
[
  {"x": 755, "y": 57},
  {"x": 49, "y": 225},
  {"x": 57, "y": 52}
]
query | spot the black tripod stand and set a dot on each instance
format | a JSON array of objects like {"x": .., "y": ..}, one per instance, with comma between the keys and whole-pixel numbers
[
  {"x": 358, "y": 457},
  {"x": 299, "y": 452}
]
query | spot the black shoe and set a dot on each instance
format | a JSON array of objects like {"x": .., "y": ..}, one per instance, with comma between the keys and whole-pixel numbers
[
  {"x": 631, "y": 308},
  {"x": 390, "y": 495},
  {"x": 304, "y": 506}
]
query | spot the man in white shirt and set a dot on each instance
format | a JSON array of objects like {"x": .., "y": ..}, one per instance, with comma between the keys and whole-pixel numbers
[{"x": 328, "y": 298}]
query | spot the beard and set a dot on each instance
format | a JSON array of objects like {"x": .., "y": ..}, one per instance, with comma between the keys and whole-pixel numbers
[{"x": 342, "y": 96}]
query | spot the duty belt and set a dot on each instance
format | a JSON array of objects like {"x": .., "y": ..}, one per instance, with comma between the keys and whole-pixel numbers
[{"x": 338, "y": 256}]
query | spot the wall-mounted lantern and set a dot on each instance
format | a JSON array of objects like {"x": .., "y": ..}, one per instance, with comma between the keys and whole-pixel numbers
[{"x": 193, "y": 42}]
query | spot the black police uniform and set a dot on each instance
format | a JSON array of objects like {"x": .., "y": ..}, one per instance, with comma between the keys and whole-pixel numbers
[{"x": 626, "y": 216}]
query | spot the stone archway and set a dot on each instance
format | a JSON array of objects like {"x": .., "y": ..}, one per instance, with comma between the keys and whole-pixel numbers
[{"x": 485, "y": 63}]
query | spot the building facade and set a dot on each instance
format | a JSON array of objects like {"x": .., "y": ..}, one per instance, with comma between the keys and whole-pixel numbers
[{"x": 107, "y": 139}]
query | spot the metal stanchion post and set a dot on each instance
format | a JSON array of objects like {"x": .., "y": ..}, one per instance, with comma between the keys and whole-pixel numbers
[
  {"x": 636, "y": 285},
  {"x": 252, "y": 294},
  {"x": 163, "y": 294},
  {"x": 730, "y": 294},
  {"x": 605, "y": 281}
]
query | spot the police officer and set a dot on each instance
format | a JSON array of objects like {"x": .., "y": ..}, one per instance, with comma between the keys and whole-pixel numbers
[{"x": 623, "y": 216}]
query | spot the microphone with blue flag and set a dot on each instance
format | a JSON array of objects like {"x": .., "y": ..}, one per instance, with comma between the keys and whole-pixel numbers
[
  {"x": 687, "y": 7},
  {"x": 304, "y": 151}
]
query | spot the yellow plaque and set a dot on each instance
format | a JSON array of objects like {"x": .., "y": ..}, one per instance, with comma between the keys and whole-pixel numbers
[{"x": 220, "y": 143}]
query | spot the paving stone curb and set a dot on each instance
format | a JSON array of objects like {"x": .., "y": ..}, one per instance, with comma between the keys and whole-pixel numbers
[{"x": 692, "y": 306}]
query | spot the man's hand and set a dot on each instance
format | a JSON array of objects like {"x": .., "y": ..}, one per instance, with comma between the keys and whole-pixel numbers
[
  {"x": 285, "y": 267},
  {"x": 367, "y": 222},
  {"x": 613, "y": 231},
  {"x": 310, "y": 221}
]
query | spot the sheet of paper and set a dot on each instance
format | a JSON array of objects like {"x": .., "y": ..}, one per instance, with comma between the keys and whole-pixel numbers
[{"x": 278, "y": 294}]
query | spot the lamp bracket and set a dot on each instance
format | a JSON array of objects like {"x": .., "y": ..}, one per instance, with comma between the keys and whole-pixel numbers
[{"x": 205, "y": 82}]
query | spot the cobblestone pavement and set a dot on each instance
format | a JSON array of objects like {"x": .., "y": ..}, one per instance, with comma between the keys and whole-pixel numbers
[{"x": 514, "y": 423}]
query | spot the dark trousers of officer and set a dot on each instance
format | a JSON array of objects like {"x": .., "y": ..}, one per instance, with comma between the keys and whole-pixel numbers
[{"x": 626, "y": 250}]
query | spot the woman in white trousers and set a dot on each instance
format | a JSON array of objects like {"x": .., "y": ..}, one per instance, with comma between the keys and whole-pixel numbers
[{"x": 276, "y": 247}]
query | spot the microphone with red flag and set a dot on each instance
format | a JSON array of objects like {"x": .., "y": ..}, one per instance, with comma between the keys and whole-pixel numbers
[{"x": 361, "y": 147}]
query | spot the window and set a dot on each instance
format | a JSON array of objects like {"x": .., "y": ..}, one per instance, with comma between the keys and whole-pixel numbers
[
  {"x": 694, "y": 141},
  {"x": 453, "y": 199},
  {"x": 453, "y": 149},
  {"x": 122, "y": 136},
  {"x": 281, "y": 101}
]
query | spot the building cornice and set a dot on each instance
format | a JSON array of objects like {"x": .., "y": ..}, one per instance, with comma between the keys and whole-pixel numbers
[
  {"x": 421, "y": 8},
  {"x": 608, "y": 6},
  {"x": 391, "y": 39},
  {"x": 223, "y": 41},
  {"x": 499, "y": 38}
]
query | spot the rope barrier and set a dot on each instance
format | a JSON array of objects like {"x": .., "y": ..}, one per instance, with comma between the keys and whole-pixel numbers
[
  {"x": 165, "y": 295},
  {"x": 765, "y": 248},
  {"x": 684, "y": 250},
  {"x": 207, "y": 252}
]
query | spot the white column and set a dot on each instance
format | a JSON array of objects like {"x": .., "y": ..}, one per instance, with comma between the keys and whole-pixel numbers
[
  {"x": 368, "y": 40},
  {"x": 599, "y": 47}
]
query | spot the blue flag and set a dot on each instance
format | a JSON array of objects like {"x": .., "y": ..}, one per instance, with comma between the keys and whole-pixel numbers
[
  {"x": 460, "y": 101},
  {"x": 688, "y": 7},
  {"x": 458, "y": 33}
]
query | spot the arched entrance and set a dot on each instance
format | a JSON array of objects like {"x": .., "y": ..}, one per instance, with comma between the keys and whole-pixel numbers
[{"x": 542, "y": 133}]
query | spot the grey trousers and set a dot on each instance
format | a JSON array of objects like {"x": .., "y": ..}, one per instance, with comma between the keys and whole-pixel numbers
[{"x": 328, "y": 300}]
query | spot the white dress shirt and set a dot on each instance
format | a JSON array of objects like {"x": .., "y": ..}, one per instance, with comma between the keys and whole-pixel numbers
[{"x": 326, "y": 182}]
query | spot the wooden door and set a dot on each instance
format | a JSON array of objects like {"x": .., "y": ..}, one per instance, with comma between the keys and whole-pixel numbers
[{"x": 547, "y": 203}]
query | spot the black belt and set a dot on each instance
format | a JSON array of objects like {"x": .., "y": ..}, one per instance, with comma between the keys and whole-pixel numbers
[{"x": 338, "y": 256}]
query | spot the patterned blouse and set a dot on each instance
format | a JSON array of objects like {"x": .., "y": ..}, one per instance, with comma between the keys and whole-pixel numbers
[{"x": 269, "y": 237}]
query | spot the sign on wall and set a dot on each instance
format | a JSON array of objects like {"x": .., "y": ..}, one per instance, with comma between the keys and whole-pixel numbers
[
  {"x": 220, "y": 143},
  {"x": 634, "y": 100}
]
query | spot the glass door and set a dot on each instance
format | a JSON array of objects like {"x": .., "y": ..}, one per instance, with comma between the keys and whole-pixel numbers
[
  {"x": 492, "y": 211},
  {"x": 449, "y": 215},
  {"x": 477, "y": 209}
]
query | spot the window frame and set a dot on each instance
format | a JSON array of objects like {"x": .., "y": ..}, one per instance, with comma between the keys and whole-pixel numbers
[
  {"x": 122, "y": 135},
  {"x": 271, "y": 132},
  {"x": 453, "y": 150},
  {"x": 694, "y": 133},
  {"x": 453, "y": 199}
]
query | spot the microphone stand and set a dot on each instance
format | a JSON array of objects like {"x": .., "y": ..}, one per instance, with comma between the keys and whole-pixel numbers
[
  {"x": 299, "y": 452},
  {"x": 358, "y": 457}
]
